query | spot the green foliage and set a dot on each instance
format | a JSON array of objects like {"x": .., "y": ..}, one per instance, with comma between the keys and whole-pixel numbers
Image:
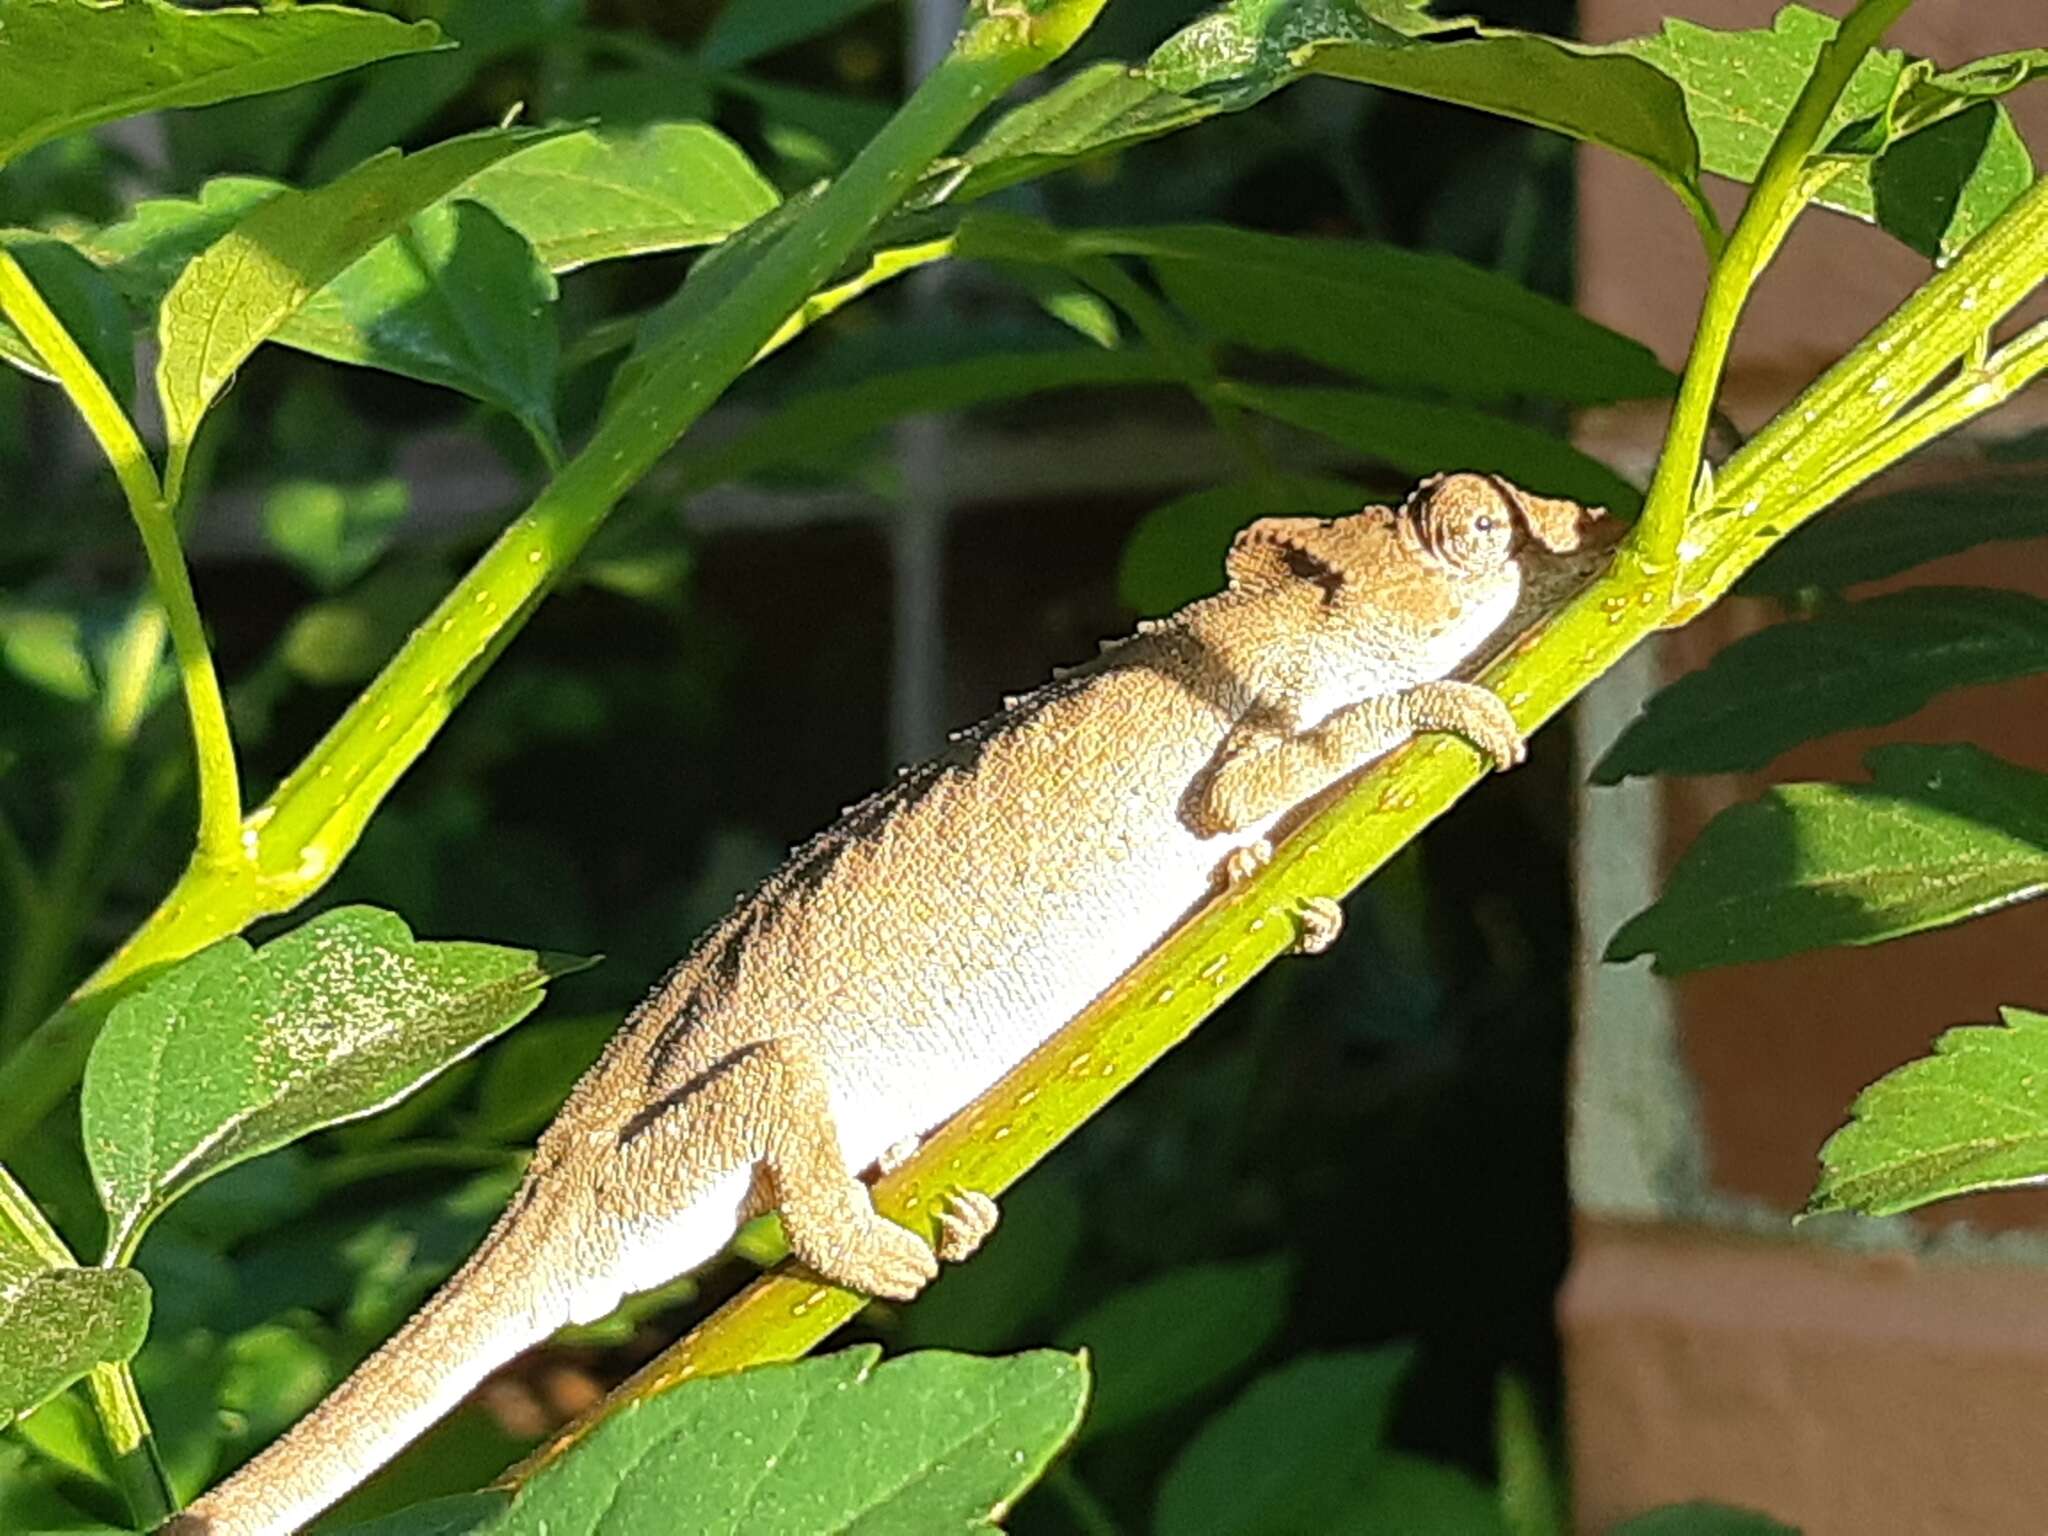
[
  {"x": 1738, "y": 84},
  {"x": 1702, "y": 1520},
  {"x": 57, "y": 1321},
  {"x": 1972, "y": 1116},
  {"x": 1155, "y": 1346},
  {"x": 1291, "y": 1454},
  {"x": 1939, "y": 834},
  {"x": 1850, "y": 664},
  {"x": 247, "y": 283},
  {"x": 237, "y": 1051},
  {"x": 1881, "y": 536},
  {"x": 923, "y": 1443},
  {"x": 72, "y": 69}
]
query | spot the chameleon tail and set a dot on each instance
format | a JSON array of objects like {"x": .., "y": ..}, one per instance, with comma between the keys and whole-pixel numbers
[{"x": 490, "y": 1311}]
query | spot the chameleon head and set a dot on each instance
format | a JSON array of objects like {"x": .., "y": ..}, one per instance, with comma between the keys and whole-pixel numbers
[{"x": 1476, "y": 522}]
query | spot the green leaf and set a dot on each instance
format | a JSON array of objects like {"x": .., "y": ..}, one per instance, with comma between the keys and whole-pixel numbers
[
  {"x": 333, "y": 533},
  {"x": 1175, "y": 554},
  {"x": 456, "y": 1515},
  {"x": 1404, "y": 1493},
  {"x": 236, "y": 293},
  {"x": 74, "y": 63},
  {"x": 1237, "y": 55},
  {"x": 1421, "y": 437},
  {"x": 1972, "y": 1116},
  {"x": 57, "y": 1321},
  {"x": 456, "y": 298},
  {"x": 745, "y": 29},
  {"x": 47, "y": 647},
  {"x": 1883, "y": 535},
  {"x": 235, "y": 1051},
  {"x": 1740, "y": 85},
  {"x": 830, "y": 418},
  {"x": 1702, "y": 1520},
  {"x": 598, "y": 195},
  {"x": 1154, "y": 1346},
  {"x": 83, "y": 299},
  {"x": 1286, "y": 1455},
  {"x": 1938, "y": 835},
  {"x": 1852, "y": 664},
  {"x": 144, "y": 252},
  {"x": 1359, "y": 307},
  {"x": 926, "y": 1442}
]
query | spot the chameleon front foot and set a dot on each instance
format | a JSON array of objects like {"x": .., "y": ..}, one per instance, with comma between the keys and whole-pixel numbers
[{"x": 965, "y": 1224}]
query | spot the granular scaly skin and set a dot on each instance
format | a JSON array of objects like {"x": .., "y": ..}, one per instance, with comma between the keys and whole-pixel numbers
[{"x": 906, "y": 957}]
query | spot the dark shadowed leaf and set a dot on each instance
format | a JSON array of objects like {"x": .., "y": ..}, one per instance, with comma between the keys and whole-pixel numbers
[
  {"x": 236, "y": 293},
  {"x": 599, "y": 195},
  {"x": 829, "y": 418},
  {"x": 1175, "y": 554},
  {"x": 1424, "y": 437},
  {"x": 236, "y": 1051},
  {"x": 455, "y": 298},
  {"x": 57, "y": 1321},
  {"x": 746, "y": 29},
  {"x": 1881, "y": 536},
  {"x": 1399, "y": 1492},
  {"x": 926, "y": 1442},
  {"x": 1972, "y": 1116},
  {"x": 1853, "y": 664},
  {"x": 71, "y": 63},
  {"x": 1289, "y": 1453},
  {"x": 1154, "y": 1346},
  {"x": 1940, "y": 834},
  {"x": 82, "y": 298},
  {"x": 1360, "y": 307}
]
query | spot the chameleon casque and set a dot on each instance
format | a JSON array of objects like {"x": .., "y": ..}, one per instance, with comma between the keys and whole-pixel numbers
[{"x": 908, "y": 956}]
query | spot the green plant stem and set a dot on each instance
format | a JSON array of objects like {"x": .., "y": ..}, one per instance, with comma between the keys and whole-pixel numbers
[
  {"x": 309, "y": 824},
  {"x": 1162, "y": 1000},
  {"x": 21, "y": 1216},
  {"x": 220, "y": 795},
  {"x": 1787, "y": 181},
  {"x": 138, "y": 1467}
]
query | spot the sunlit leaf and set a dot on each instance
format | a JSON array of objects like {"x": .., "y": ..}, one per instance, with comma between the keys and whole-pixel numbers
[
  {"x": 236, "y": 1051},
  {"x": 926, "y": 1442},
  {"x": 1972, "y": 1116},
  {"x": 1938, "y": 835},
  {"x": 237, "y": 292},
  {"x": 73, "y": 63},
  {"x": 57, "y": 1321}
]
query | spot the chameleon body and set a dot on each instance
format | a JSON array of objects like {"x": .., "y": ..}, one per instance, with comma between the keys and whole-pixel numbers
[{"x": 904, "y": 959}]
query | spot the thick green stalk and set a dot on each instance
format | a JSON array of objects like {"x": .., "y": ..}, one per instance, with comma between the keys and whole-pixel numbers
[
  {"x": 220, "y": 795},
  {"x": 1787, "y": 181},
  {"x": 304, "y": 830}
]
